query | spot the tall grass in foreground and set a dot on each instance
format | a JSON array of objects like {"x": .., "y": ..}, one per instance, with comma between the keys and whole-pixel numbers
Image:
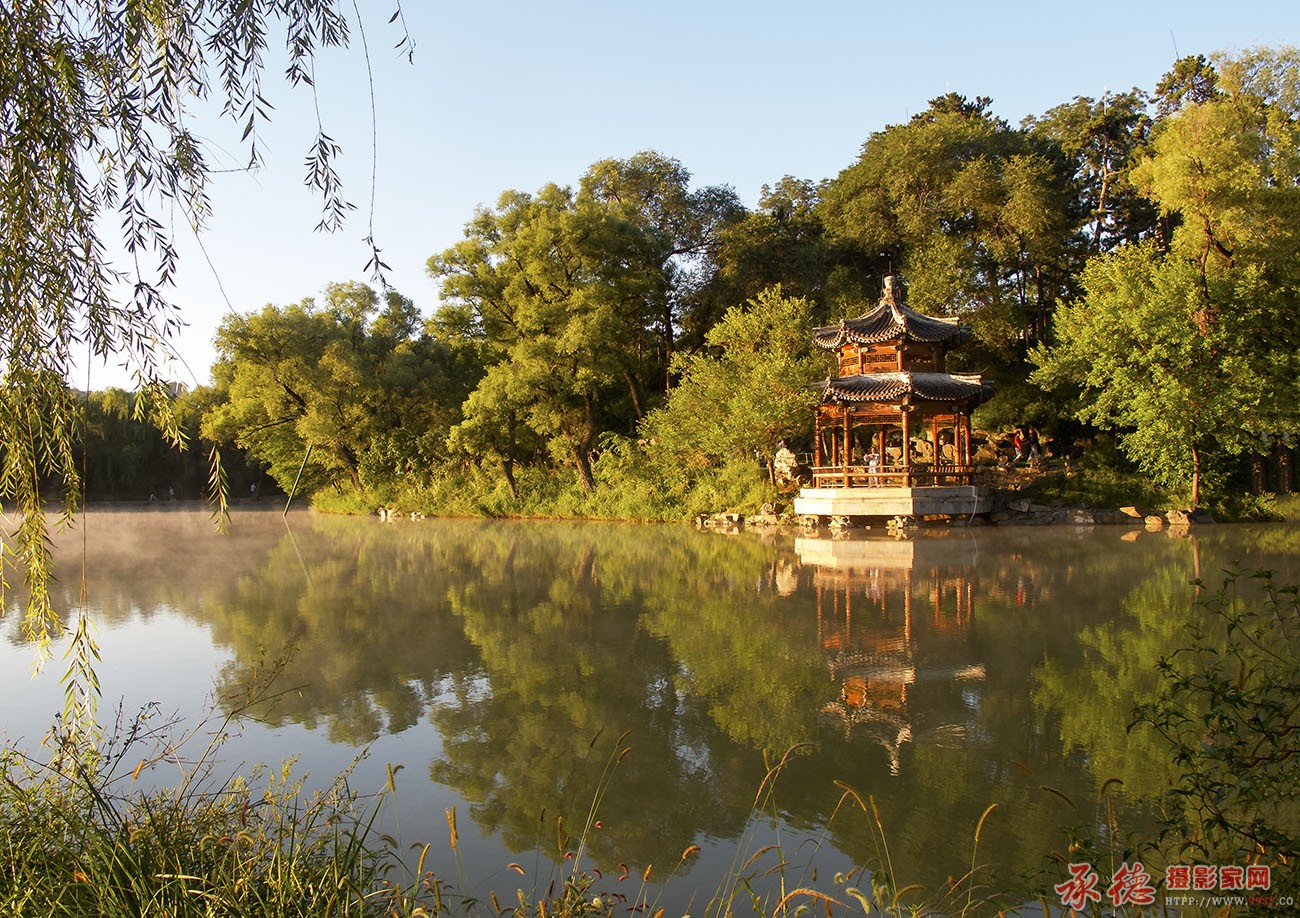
[
  {"x": 85, "y": 832},
  {"x": 70, "y": 846},
  {"x": 84, "y": 835},
  {"x": 763, "y": 879}
]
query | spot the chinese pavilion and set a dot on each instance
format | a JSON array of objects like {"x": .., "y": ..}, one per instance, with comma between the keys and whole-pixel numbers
[{"x": 892, "y": 432}]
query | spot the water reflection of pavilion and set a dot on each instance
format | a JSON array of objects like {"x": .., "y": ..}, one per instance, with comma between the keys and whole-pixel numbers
[{"x": 895, "y": 621}]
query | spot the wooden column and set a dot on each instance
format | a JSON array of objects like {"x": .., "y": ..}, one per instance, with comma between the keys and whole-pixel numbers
[
  {"x": 848, "y": 452},
  {"x": 907, "y": 445},
  {"x": 817, "y": 440},
  {"x": 880, "y": 450}
]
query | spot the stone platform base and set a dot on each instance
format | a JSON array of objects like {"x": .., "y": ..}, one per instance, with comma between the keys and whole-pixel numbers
[{"x": 961, "y": 500}]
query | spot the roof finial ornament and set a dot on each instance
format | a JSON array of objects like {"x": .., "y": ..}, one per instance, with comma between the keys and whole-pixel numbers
[{"x": 892, "y": 293}]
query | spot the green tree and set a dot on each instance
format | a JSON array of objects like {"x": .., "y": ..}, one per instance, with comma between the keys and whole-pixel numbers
[
  {"x": 494, "y": 424},
  {"x": 561, "y": 291},
  {"x": 1192, "y": 80},
  {"x": 1103, "y": 138},
  {"x": 363, "y": 388},
  {"x": 1181, "y": 393},
  {"x": 127, "y": 458},
  {"x": 1227, "y": 169},
  {"x": 1191, "y": 353},
  {"x": 782, "y": 242},
  {"x": 751, "y": 388},
  {"x": 972, "y": 211},
  {"x": 687, "y": 226}
]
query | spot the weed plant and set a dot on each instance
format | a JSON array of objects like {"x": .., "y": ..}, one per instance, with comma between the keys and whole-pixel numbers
[
  {"x": 85, "y": 834},
  {"x": 1230, "y": 711}
]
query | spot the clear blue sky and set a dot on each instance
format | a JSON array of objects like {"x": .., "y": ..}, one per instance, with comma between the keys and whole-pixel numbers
[{"x": 515, "y": 94}]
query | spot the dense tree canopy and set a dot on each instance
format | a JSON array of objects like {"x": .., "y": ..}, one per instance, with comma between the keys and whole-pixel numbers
[
  {"x": 1182, "y": 393},
  {"x": 783, "y": 242},
  {"x": 577, "y": 299},
  {"x": 1144, "y": 243},
  {"x": 973, "y": 212},
  {"x": 363, "y": 388},
  {"x": 1190, "y": 351},
  {"x": 1102, "y": 138},
  {"x": 1141, "y": 237},
  {"x": 753, "y": 387}
]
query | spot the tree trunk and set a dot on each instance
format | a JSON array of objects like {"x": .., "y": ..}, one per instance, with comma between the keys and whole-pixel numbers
[
  {"x": 668, "y": 348},
  {"x": 508, "y": 470},
  {"x": 636, "y": 394},
  {"x": 582, "y": 451},
  {"x": 1196, "y": 477},
  {"x": 582, "y": 459},
  {"x": 1258, "y": 473},
  {"x": 353, "y": 464},
  {"x": 1100, "y": 225}
]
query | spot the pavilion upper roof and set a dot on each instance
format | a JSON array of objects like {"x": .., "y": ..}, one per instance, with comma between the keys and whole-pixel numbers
[
  {"x": 891, "y": 387},
  {"x": 890, "y": 320}
]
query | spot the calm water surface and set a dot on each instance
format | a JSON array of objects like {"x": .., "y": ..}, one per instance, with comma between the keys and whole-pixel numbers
[{"x": 939, "y": 674}]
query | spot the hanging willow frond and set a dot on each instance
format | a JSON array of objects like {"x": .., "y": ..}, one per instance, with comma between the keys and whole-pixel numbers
[{"x": 95, "y": 157}]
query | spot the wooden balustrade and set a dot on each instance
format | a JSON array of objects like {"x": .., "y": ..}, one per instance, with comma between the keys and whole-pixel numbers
[{"x": 920, "y": 475}]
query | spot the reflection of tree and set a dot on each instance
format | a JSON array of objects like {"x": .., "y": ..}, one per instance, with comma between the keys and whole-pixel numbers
[
  {"x": 1032, "y": 593},
  {"x": 361, "y": 614},
  {"x": 1093, "y": 695},
  {"x": 519, "y": 641},
  {"x": 555, "y": 613},
  {"x": 747, "y": 652}
]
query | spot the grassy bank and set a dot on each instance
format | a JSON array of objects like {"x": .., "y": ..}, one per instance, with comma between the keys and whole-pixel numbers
[
  {"x": 624, "y": 490},
  {"x": 627, "y": 491}
]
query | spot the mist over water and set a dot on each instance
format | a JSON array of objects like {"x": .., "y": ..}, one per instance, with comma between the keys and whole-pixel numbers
[{"x": 498, "y": 662}]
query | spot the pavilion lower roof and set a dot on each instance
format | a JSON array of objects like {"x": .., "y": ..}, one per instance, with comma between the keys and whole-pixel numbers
[
  {"x": 889, "y": 387},
  {"x": 890, "y": 321}
]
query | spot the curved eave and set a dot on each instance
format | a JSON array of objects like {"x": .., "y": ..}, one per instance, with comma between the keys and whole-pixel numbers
[
  {"x": 889, "y": 322},
  {"x": 892, "y": 387}
]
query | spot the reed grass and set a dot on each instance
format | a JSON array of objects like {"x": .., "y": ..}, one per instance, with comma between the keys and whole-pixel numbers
[
  {"x": 84, "y": 835},
  {"x": 72, "y": 844}
]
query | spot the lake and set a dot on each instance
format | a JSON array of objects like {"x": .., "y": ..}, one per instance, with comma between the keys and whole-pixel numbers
[{"x": 498, "y": 663}]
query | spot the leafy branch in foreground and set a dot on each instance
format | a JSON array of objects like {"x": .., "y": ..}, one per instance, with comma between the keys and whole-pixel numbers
[
  {"x": 94, "y": 132},
  {"x": 1231, "y": 712}
]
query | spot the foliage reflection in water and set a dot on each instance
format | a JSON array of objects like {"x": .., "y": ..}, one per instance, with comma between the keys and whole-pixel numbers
[{"x": 939, "y": 674}]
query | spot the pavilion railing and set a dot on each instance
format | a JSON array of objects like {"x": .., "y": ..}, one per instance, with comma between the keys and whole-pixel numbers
[{"x": 920, "y": 475}]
